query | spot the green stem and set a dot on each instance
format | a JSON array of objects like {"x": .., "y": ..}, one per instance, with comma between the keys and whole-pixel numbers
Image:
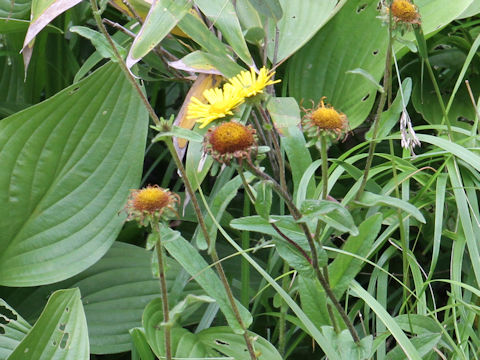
[
  {"x": 324, "y": 155},
  {"x": 123, "y": 66},
  {"x": 311, "y": 243},
  {"x": 212, "y": 251},
  {"x": 245, "y": 266},
  {"x": 163, "y": 288}
]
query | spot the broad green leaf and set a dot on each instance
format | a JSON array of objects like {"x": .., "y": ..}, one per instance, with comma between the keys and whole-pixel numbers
[
  {"x": 370, "y": 199},
  {"x": 67, "y": 166},
  {"x": 121, "y": 280},
  {"x": 184, "y": 344},
  {"x": 202, "y": 62},
  {"x": 345, "y": 345},
  {"x": 345, "y": 268},
  {"x": 99, "y": 41},
  {"x": 297, "y": 259},
  {"x": 472, "y": 10},
  {"x": 222, "y": 14},
  {"x": 340, "y": 42},
  {"x": 13, "y": 328},
  {"x": 405, "y": 344},
  {"x": 263, "y": 200},
  {"x": 300, "y": 21},
  {"x": 257, "y": 224},
  {"x": 284, "y": 111},
  {"x": 140, "y": 345},
  {"x": 18, "y": 9},
  {"x": 331, "y": 213},
  {"x": 417, "y": 324},
  {"x": 59, "y": 333},
  {"x": 313, "y": 300},
  {"x": 222, "y": 339},
  {"x": 161, "y": 19},
  {"x": 196, "y": 266},
  {"x": 178, "y": 310},
  {"x": 424, "y": 344},
  {"x": 269, "y": 8}
]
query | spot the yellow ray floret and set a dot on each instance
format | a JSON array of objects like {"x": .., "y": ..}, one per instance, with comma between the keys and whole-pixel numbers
[
  {"x": 221, "y": 101},
  {"x": 251, "y": 83}
]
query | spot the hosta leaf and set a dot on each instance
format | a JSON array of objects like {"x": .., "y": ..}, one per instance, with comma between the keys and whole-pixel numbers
[
  {"x": 60, "y": 332},
  {"x": 355, "y": 38},
  {"x": 13, "y": 328},
  {"x": 222, "y": 338},
  {"x": 67, "y": 166},
  {"x": 121, "y": 280},
  {"x": 300, "y": 21}
]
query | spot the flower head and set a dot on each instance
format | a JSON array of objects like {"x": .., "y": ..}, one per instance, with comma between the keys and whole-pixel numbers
[
  {"x": 251, "y": 84},
  {"x": 324, "y": 119},
  {"x": 221, "y": 102},
  {"x": 404, "y": 11},
  {"x": 151, "y": 203},
  {"x": 229, "y": 140}
]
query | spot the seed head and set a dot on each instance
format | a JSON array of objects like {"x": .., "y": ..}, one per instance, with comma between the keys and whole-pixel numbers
[
  {"x": 151, "y": 203},
  {"x": 230, "y": 140}
]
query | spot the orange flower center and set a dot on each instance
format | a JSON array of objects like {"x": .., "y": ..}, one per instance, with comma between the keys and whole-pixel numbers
[
  {"x": 230, "y": 137},
  {"x": 327, "y": 118},
  {"x": 404, "y": 10},
  {"x": 150, "y": 199}
]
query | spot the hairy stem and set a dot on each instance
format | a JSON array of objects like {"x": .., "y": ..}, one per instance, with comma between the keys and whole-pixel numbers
[
  {"x": 123, "y": 66},
  {"x": 212, "y": 251},
  {"x": 163, "y": 288},
  {"x": 297, "y": 215}
]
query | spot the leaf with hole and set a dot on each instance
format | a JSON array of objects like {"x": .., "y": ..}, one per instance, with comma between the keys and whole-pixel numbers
[{"x": 59, "y": 333}]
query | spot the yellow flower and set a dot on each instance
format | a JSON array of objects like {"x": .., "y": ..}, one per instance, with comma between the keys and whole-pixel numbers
[
  {"x": 251, "y": 84},
  {"x": 221, "y": 102}
]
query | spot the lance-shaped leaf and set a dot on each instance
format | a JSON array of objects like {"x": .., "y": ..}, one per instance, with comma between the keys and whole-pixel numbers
[
  {"x": 67, "y": 166},
  {"x": 196, "y": 266},
  {"x": 43, "y": 12},
  {"x": 60, "y": 332},
  {"x": 161, "y": 19},
  {"x": 223, "y": 16}
]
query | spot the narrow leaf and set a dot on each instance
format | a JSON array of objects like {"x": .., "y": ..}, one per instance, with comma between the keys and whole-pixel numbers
[{"x": 161, "y": 19}]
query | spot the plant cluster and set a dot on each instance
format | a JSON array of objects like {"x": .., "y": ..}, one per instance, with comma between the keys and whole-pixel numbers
[{"x": 348, "y": 230}]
